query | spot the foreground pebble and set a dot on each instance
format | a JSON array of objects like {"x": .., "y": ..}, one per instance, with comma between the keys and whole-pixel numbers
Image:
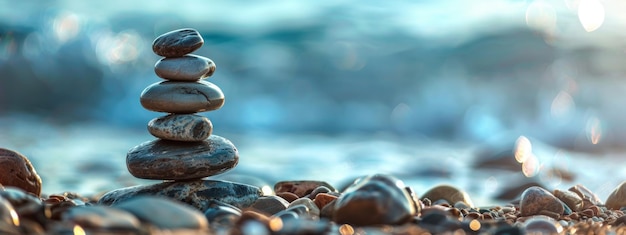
[
  {"x": 198, "y": 193},
  {"x": 16, "y": 170},
  {"x": 374, "y": 200},
  {"x": 450, "y": 194},
  {"x": 177, "y": 43},
  {"x": 165, "y": 213},
  {"x": 538, "y": 201},
  {"x": 617, "y": 198},
  {"x": 182, "y": 97},
  {"x": 185, "y": 68},
  {"x": 170, "y": 160}
]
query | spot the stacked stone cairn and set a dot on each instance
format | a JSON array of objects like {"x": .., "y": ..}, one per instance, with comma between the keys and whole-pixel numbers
[{"x": 185, "y": 150}]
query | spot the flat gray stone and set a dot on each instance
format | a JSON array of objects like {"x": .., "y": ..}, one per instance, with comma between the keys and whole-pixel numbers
[
  {"x": 186, "y": 68},
  {"x": 165, "y": 213},
  {"x": 176, "y": 160},
  {"x": 182, "y": 97},
  {"x": 177, "y": 43},
  {"x": 181, "y": 127},
  {"x": 197, "y": 193},
  {"x": 101, "y": 217}
]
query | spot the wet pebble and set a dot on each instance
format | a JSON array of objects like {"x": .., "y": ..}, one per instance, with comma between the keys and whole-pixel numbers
[
  {"x": 301, "y": 188},
  {"x": 571, "y": 199},
  {"x": 16, "y": 170},
  {"x": 177, "y": 43},
  {"x": 537, "y": 201},
  {"x": 197, "y": 193},
  {"x": 448, "y": 193},
  {"x": 165, "y": 213},
  {"x": 182, "y": 97},
  {"x": 221, "y": 216},
  {"x": 270, "y": 205},
  {"x": 323, "y": 199},
  {"x": 175, "y": 160},
  {"x": 8, "y": 215},
  {"x": 102, "y": 218},
  {"x": 181, "y": 127},
  {"x": 25, "y": 204},
  {"x": 290, "y": 197},
  {"x": 542, "y": 225},
  {"x": 374, "y": 200},
  {"x": 617, "y": 198},
  {"x": 313, "y": 210},
  {"x": 586, "y": 194},
  {"x": 186, "y": 68}
]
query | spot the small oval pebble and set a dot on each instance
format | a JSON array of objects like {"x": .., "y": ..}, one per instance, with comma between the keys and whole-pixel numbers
[
  {"x": 177, "y": 43},
  {"x": 16, "y": 170},
  {"x": 270, "y": 205},
  {"x": 185, "y": 68},
  {"x": 617, "y": 198},
  {"x": 174, "y": 160},
  {"x": 300, "y": 187},
  {"x": 165, "y": 213},
  {"x": 181, "y": 127},
  {"x": 449, "y": 193},
  {"x": 374, "y": 200},
  {"x": 101, "y": 217},
  {"x": 182, "y": 97},
  {"x": 535, "y": 200},
  {"x": 290, "y": 197}
]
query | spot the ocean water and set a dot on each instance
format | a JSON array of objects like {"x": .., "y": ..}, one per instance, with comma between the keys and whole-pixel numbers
[{"x": 329, "y": 90}]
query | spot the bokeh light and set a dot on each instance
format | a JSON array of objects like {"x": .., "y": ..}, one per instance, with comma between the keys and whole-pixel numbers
[
  {"x": 594, "y": 130},
  {"x": 540, "y": 15},
  {"x": 591, "y": 14}
]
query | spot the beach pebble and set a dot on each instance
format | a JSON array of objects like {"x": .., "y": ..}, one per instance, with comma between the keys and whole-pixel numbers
[
  {"x": 16, "y": 170},
  {"x": 542, "y": 225},
  {"x": 571, "y": 199},
  {"x": 8, "y": 215},
  {"x": 186, "y": 68},
  {"x": 270, "y": 205},
  {"x": 177, "y": 43},
  {"x": 323, "y": 199},
  {"x": 102, "y": 218},
  {"x": 25, "y": 204},
  {"x": 586, "y": 194},
  {"x": 313, "y": 210},
  {"x": 165, "y": 213},
  {"x": 182, "y": 97},
  {"x": 174, "y": 160},
  {"x": 537, "y": 201},
  {"x": 374, "y": 200},
  {"x": 301, "y": 188},
  {"x": 290, "y": 197},
  {"x": 222, "y": 216},
  {"x": 197, "y": 193},
  {"x": 448, "y": 193},
  {"x": 181, "y": 127},
  {"x": 617, "y": 198}
]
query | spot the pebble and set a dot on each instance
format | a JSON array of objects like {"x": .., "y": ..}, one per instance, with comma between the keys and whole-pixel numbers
[
  {"x": 290, "y": 197},
  {"x": 537, "y": 201},
  {"x": 323, "y": 199},
  {"x": 313, "y": 210},
  {"x": 165, "y": 213},
  {"x": 542, "y": 225},
  {"x": 586, "y": 194},
  {"x": 181, "y": 127},
  {"x": 102, "y": 218},
  {"x": 16, "y": 170},
  {"x": 174, "y": 160},
  {"x": 374, "y": 200},
  {"x": 617, "y": 198},
  {"x": 449, "y": 193},
  {"x": 25, "y": 204},
  {"x": 8, "y": 215},
  {"x": 186, "y": 68},
  {"x": 177, "y": 43},
  {"x": 301, "y": 188},
  {"x": 197, "y": 193},
  {"x": 270, "y": 205},
  {"x": 222, "y": 216},
  {"x": 571, "y": 199},
  {"x": 182, "y": 97}
]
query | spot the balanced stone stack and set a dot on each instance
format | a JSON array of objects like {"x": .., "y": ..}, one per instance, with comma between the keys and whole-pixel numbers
[{"x": 185, "y": 150}]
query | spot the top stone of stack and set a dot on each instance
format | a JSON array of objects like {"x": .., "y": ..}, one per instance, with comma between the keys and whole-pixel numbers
[{"x": 177, "y": 43}]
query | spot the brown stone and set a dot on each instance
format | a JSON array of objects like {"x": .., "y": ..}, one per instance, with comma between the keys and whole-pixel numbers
[
  {"x": 301, "y": 188},
  {"x": 322, "y": 199},
  {"x": 182, "y": 97},
  {"x": 537, "y": 201},
  {"x": 16, "y": 170},
  {"x": 290, "y": 197},
  {"x": 449, "y": 193},
  {"x": 177, "y": 43},
  {"x": 269, "y": 204},
  {"x": 571, "y": 199},
  {"x": 586, "y": 194},
  {"x": 617, "y": 198}
]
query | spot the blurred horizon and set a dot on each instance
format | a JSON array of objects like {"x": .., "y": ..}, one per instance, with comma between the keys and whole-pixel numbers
[{"x": 462, "y": 70}]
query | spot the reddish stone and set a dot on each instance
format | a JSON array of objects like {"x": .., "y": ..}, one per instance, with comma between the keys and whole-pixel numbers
[
  {"x": 17, "y": 171},
  {"x": 290, "y": 197},
  {"x": 322, "y": 199},
  {"x": 300, "y": 187}
]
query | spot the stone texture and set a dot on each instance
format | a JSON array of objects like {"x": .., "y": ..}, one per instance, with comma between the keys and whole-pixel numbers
[
  {"x": 186, "y": 68},
  {"x": 542, "y": 225},
  {"x": 177, "y": 43},
  {"x": 571, "y": 199},
  {"x": 300, "y": 187},
  {"x": 16, "y": 170},
  {"x": 165, "y": 213},
  {"x": 538, "y": 201},
  {"x": 586, "y": 194},
  {"x": 172, "y": 160},
  {"x": 617, "y": 198},
  {"x": 374, "y": 200},
  {"x": 313, "y": 209},
  {"x": 102, "y": 218},
  {"x": 449, "y": 193},
  {"x": 182, "y": 97},
  {"x": 8, "y": 215},
  {"x": 270, "y": 204},
  {"x": 181, "y": 127},
  {"x": 323, "y": 199},
  {"x": 197, "y": 193},
  {"x": 290, "y": 197}
]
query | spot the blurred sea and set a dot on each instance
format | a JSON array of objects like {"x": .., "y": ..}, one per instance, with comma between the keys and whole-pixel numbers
[{"x": 326, "y": 89}]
